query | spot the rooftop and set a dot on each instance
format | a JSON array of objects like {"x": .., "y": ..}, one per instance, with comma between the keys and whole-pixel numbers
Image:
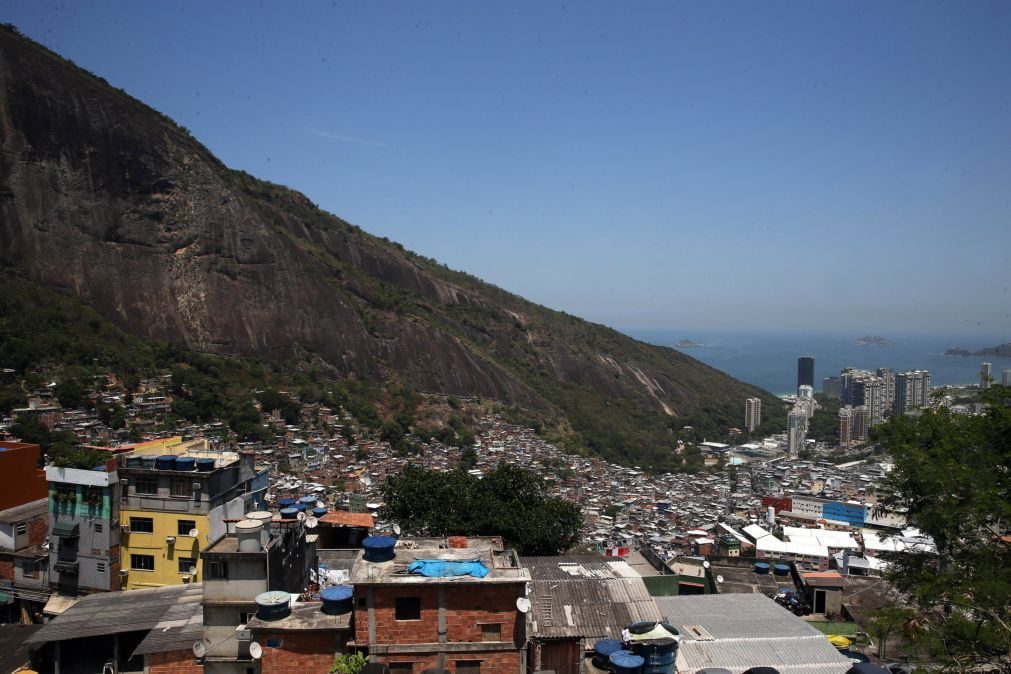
[
  {"x": 503, "y": 566},
  {"x": 305, "y": 617},
  {"x": 343, "y": 518},
  {"x": 737, "y": 632},
  {"x": 24, "y": 511}
]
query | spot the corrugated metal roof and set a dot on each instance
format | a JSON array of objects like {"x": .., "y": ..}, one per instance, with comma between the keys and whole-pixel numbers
[
  {"x": 585, "y": 596},
  {"x": 180, "y": 626},
  {"x": 117, "y": 612},
  {"x": 748, "y": 630}
]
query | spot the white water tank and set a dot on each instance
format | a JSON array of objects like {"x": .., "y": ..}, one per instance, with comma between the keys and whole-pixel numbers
[{"x": 249, "y": 533}]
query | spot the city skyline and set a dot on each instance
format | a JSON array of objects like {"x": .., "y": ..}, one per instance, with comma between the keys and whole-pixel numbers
[{"x": 675, "y": 166}]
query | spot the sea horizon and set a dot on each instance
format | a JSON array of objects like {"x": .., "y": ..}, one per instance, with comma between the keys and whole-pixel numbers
[{"x": 768, "y": 358}]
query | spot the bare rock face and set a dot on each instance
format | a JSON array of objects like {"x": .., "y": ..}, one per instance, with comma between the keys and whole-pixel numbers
[{"x": 104, "y": 196}]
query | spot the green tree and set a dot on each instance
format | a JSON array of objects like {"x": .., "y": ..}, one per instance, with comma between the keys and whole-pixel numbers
[
  {"x": 348, "y": 663},
  {"x": 951, "y": 473}
]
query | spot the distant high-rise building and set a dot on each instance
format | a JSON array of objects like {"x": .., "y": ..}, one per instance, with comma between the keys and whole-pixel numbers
[
  {"x": 805, "y": 371},
  {"x": 796, "y": 428},
  {"x": 861, "y": 423},
  {"x": 888, "y": 377},
  {"x": 1005, "y": 378},
  {"x": 863, "y": 387},
  {"x": 845, "y": 426},
  {"x": 752, "y": 414},
  {"x": 985, "y": 374},
  {"x": 832, "y": 387},
  {"x": 912, "y": 391}
]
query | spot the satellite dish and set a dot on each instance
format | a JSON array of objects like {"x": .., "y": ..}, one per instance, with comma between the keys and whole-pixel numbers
[
  {"x": 311, "y": 522},
  {"x": 255, "y": 650},
  {"x": 705, "y": 565},
  {"x": 199, "y": 649},
  {"x": 320, "y": 504},
  {"x": 523, "y": 604},
  {"x": 300, "y": 516},
  {"x": 719, "y": 579},
  {"x": 396, "y": 529},
  {"x": 193, "y": 570},
  {"x": 194, "y": 533}
]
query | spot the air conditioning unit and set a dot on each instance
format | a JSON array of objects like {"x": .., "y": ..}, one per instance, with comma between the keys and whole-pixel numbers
[
  {"x": 124, "y": 528},
  {"x": 243, "y": 633},
  {"x": 170, "y": 540},
  {"x": 123, "y": 573},
  {"x": 197, "y": 486}
]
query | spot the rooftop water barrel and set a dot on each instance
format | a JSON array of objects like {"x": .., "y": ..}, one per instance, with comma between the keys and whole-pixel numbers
[
  {"x": 299, "y": 507},
  {"x": 761, "y": 567},
  {"x": 659, "y": 653},
  {"x": 714, "y": 670},
  {"x": 185, "y": 463},
  {"x": 625, "y": 662},
  {"x": 148, "y": 461},
  {"x": 248, "y": 532},
  {"x": 288, "y": 513},
  {"x": 337, "y": 599},
  {"x": 308, "y": 501},
  {"x": 379, "y": 548},
  {"x": 602, "y": 651},
  {"x": 781, "y": 570},
  {"x": 263, "y": 516},
  {"x": 165, "y": 462},
  {"x": 134, "y": 461},
  {"x": 205, "y": 465},
  {"x": 285, "y": 502},
  {"x": 761, "y": 670},
  {"x": 866, "y": 668},
  {"x": 273, "y": 605},
  {"x": 319, "y": 512}
]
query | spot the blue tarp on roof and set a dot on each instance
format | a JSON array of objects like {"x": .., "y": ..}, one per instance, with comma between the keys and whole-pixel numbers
[{"x": 440, "y": 568}]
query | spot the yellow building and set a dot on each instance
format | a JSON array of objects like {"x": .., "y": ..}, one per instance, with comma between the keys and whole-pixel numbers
[{"x": 176, "y": 497}]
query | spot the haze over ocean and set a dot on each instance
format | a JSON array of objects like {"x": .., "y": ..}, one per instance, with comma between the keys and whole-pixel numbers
[{"x": 769, "y": 359}]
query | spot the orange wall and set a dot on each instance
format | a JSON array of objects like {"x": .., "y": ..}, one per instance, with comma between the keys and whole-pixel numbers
[{"x": 24, "y": 481}]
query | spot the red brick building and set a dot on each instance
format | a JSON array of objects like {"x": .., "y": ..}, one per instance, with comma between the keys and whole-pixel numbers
[
  {"x": 24, "y": 480},
  {"x": 464, "y": 624}
]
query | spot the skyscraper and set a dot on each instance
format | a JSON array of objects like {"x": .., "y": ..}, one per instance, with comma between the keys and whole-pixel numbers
[
  {"x": 912, "y": 391},
  {"x": 985, "y": 373},
  {"x": 1005, "y": 379},
  {"x": 805, "y": 371},
  {"x": 888, "y": 377},
  {"x": 861, "y": 423},
  {"x": 832, "y": 387},
  {"x": 845, "y": 426},
  {"x": 796, "y": 428},
  {"x": 752, "y": 414},
  {"x": 863, "y": 387}
]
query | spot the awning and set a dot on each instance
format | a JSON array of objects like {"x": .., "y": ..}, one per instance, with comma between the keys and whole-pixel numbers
[
  {"x": 66, "y": 529},
  {"x": 5, "y": 598},
  {"x": 58, "y": 603}
]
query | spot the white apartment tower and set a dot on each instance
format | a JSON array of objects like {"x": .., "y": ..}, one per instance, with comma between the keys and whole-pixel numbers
[
  {"x": 796, "y": 428},
  {"x": 985, "y": 373},
  {"x": 912, "y": 391},
  {"x": 752, "y": 414}
]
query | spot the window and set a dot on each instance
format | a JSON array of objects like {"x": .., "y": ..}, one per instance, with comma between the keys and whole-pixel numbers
[
  {"x": 22, "y": 529},
  {"x": 468, "y": 667},
  {"x": 491, "y": 632},
  {"x": 216, "y": 570},
  {"x": 408, "y": 608},
  {"x": 142, "y": 562},
  {"x": 362, "y": 602},
  {"x": 142, "y": 525},
  {"x": 401, "y": 667},
  {"x": 29, "y": 568},
  {"x": 185, "y": 527},
  {"x": 145, "y": 486},
  {"x": 185, "y": 563},
  {"x": 181, "y": 488}
]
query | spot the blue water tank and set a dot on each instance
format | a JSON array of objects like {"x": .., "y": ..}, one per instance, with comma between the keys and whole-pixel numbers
[
  {"x": 659, "y": 655},
  {"x": 602, "y": 651},
  {"x": 273, "y": 605},
  {"x": 781, "y": 570},
  {"x": 625, "y": 662},
  {"x": 288, "y": 513},
  {"x": 285, "y": 502},
  {"x": 165, "y": 462},
  {"x": 308, "y": 501},
  {"x": 134, "y": 461},
  {"x": 185, "y": 463},
  {"x": 205, "y": 465},
  {"x": 337, "y": 599},
  {"x": 761, "y": 567},
  {"x": 299, "y": 507},
  {"x": 379, "y": 548},
  {"x": 148, "y": 461},
  {"x": 319, "y": 512}
]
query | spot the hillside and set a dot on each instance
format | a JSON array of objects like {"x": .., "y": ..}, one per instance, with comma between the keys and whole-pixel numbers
[{"x": 110, "y": 200}]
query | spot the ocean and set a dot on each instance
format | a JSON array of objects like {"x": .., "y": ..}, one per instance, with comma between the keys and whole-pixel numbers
[{"x": 769, "y": 359}]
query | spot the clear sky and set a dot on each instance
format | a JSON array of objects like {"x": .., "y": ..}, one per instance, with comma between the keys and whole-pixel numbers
[{"x": 645, "y": 164}]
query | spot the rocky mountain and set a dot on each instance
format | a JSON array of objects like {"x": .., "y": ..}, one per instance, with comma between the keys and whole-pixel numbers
[{"x": 111, "y": 200}]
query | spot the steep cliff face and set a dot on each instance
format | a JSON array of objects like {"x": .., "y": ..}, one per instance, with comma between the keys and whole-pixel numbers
[{"x": 107, "y": 197}]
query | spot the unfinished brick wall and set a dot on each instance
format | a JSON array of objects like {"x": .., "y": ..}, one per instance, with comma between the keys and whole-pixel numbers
[
  {"x": 492, "y": 662},
  {"x": 6, "y": 568},
  {"x": 299, "y": 653},
  {"x": 467, "y": 608},
  {"x": 173, "y": 662},
  {"x": 38, "y": 529}
]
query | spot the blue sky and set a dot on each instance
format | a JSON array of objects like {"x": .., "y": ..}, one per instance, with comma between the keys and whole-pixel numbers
[{"x": 841, "y": 166}]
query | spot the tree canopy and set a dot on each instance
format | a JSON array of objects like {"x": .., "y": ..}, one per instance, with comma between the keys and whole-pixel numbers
[
  {"x": 509, "y": 502},
  {"x": 953, "y": 474}
]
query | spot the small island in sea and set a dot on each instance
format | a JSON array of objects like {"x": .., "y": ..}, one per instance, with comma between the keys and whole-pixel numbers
[
  {"x": 872, "y": 340},
  {"x": 688, "y": 344},
  {"x": 1000, "y": 351}
]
